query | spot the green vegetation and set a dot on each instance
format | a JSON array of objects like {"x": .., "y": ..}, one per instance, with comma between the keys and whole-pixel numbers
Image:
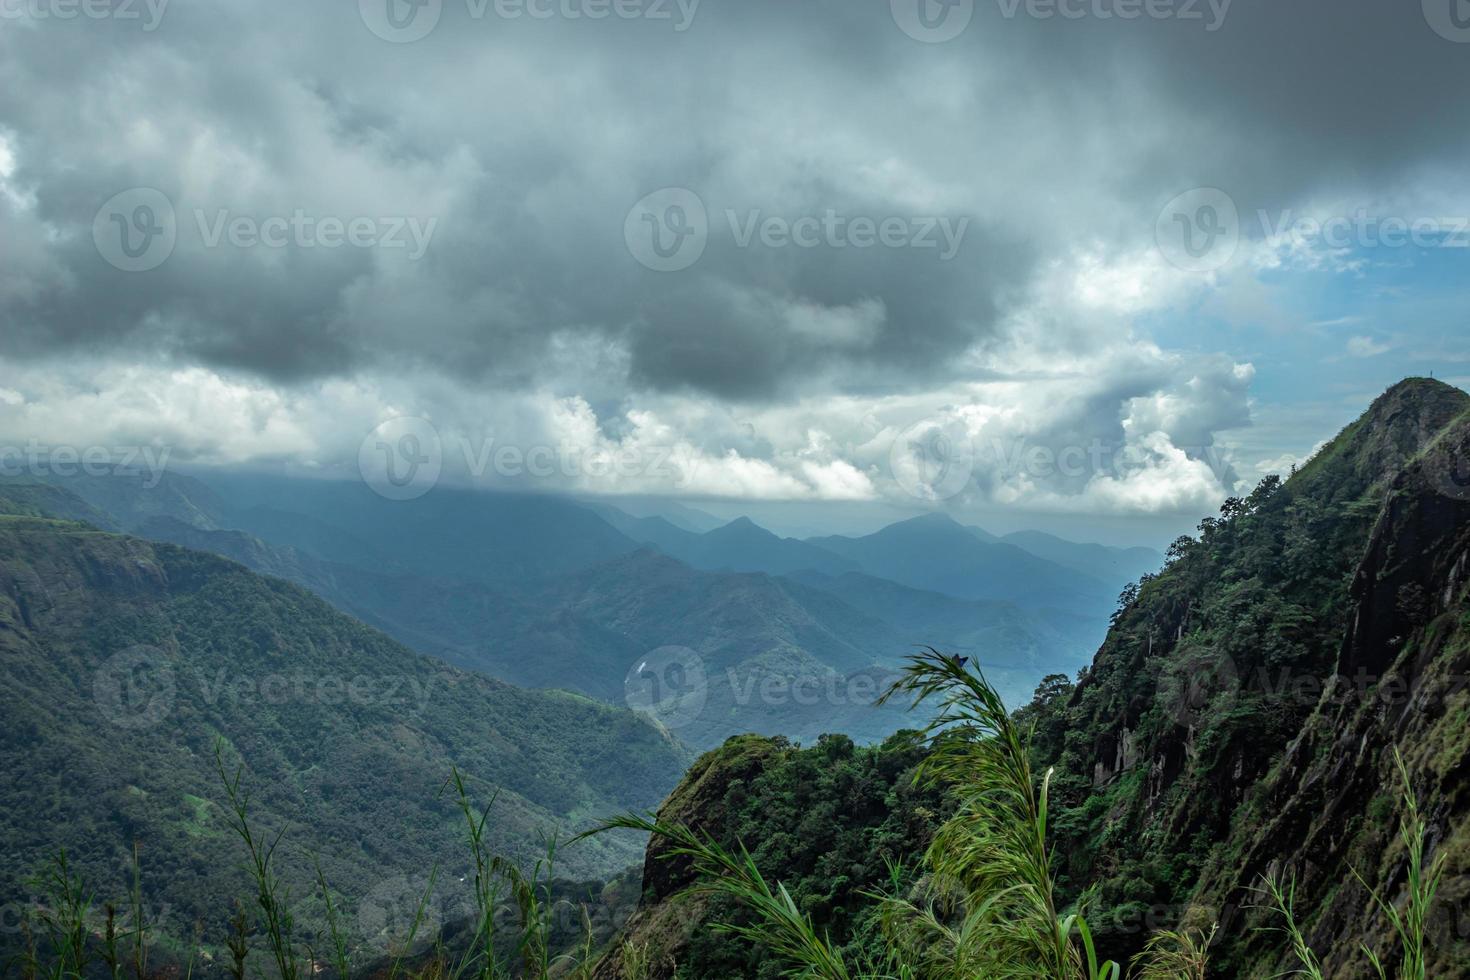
[
  {"x": 125, "y": 663},
  {"x": 987, "y": 905},
  {"x": 837, "y": 822},
  {"x": 61, "y": 931},
  {"x": 1214, "y": 668}
]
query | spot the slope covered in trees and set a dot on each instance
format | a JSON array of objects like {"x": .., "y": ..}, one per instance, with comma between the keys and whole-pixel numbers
[{"x": 127, "y": 661}]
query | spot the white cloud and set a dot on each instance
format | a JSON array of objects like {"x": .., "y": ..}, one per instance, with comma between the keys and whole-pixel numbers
[
  {"x": 1131, "y": 434},
  {"x": 1366, "y": 347}
]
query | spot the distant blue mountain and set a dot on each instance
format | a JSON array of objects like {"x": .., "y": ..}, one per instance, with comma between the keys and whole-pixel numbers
[
  {"x": 936, "y": 553},
  {"x": 1113, "y": 565}
]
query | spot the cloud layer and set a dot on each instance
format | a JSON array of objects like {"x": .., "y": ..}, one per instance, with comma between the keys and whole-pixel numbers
[{"x": 819, "y": 145}]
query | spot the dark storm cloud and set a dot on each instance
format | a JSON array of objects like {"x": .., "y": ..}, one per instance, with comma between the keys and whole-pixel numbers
[{"x": 528, "y": 141}]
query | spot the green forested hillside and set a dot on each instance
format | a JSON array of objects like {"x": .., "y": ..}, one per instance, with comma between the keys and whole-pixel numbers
[
  {"x": 831, "y": 821},
  {"x": 125, "y": 662}
]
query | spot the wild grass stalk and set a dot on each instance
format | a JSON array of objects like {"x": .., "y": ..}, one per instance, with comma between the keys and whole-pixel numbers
[
  {"x": 782, "y": 927},
  {"x": 993, "y": 853},
  {"x": 1410, "y": 924},
  {"x": 1173, "y": 955},
  {"x": 338, "y": 951},
  {"x": 1282, "y": 894},
  {"x": 271, "y": 896},
  {"x": 419, "y": 915},
  {"x": 62, "y": 917}
]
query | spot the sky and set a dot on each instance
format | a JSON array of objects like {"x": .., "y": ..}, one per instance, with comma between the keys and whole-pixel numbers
[{"x": 1085, "y": 265}]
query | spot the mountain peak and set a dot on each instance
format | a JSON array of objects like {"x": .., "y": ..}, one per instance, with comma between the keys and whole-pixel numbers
[
  {"x": 742, "y": 525},
  {"x": 937, "y": 520},
  {"x": 1422, "y": 387},
  {"x": 1425, "y": 398},
  {"x": 1399, "y": 424}
]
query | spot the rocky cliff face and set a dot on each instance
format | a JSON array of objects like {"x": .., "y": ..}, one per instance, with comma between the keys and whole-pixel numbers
[{"x": 1401, "y": 681}]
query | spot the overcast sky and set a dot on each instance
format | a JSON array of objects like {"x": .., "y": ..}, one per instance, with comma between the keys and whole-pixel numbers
[{"x": 1041, "y": 260}]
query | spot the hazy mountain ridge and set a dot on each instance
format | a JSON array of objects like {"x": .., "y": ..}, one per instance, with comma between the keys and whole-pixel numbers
[
  {"x": 1106, "y": 564},
  {"x": 581, "y": 622},
  {"x": 938, "y": 554}
]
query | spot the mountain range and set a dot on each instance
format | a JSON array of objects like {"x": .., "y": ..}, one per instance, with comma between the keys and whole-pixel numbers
[{"x": 552, "y": 593}]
